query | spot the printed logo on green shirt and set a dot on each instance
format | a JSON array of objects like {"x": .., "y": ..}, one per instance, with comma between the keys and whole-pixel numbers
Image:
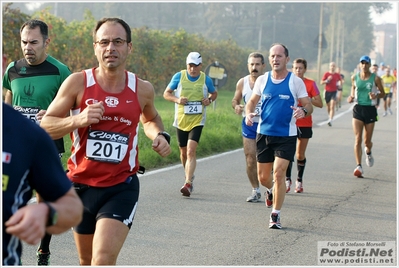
[
  {"x": 29, "y": 91},
  {"x": 22, "y": 70}
]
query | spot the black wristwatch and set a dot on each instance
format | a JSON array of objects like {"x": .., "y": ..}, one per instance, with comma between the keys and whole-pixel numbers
[
  {"x": 52, "y": 215},
  {"x": 166, "y": 135},
  {"x": 305, "y": 111}
]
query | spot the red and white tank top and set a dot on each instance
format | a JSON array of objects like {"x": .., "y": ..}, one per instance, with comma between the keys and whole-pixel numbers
[{"x": 106, "y": 153}]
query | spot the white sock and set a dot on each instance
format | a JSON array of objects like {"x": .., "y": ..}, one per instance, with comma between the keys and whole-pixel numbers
[{"x": 275, "y": 211}]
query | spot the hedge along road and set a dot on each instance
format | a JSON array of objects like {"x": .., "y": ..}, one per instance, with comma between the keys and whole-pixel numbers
[{"x": 215, "y": 226}]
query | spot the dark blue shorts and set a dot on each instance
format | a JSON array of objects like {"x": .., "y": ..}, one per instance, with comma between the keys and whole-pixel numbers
[{"x": 247, "y": 131}]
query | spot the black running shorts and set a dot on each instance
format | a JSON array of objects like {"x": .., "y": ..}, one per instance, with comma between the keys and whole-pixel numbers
[
  {"x": 328, "y": 96},
  {"x": 366, "y": 114},
  {"x": 117, "y": 202},
  {"x": 305, "y": 132},
  {"x": 269, "y": 147},
  {"x": 184, "y": 136},
  {"x": 387, "y": 96}
]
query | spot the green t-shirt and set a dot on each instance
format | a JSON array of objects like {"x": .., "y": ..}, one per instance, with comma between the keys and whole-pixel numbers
[
  {"x": 34, "y": 87},
  {"x": 363, "y": 88}
]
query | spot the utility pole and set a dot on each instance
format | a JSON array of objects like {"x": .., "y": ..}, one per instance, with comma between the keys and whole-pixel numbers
[
  {"x": 260, "y": 21},
  {"x": 342, "y": 45},
  {"x": 337, "y": 51},
  {"x": 274, "y": 29},
  {"x": 320, "y": 42},
  {"x": 56, "y": 9},
  {"x": 260, "y": 37},
  {"x": 332, "y": 32}
]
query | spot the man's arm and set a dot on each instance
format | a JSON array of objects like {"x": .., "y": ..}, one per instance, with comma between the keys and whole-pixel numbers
[
  {"x": 69, "y": 208},
  {"x": 212, "y": 97},
  {"x": 351, "y": 96},
  {"x": 168, "y": 92},
  {"x": 48, "y": 178},
  {"x": 250, "y": 108},
  {"x": 169, "y": 96},
  {"x": 317, "y": 101},
  {"x": 55, "y": 121},
  {"x": 378, "y": 83},
  {"x": 307, "y": 104},
  {"x": 8, "y": 97},
  {"x": 323, "y": 79},
  {"x": 211, "y": 90},
  {"x": 236, "y": 101},
  {"x": 29, "y": 222},
  {"x": 151, "y": 120}
]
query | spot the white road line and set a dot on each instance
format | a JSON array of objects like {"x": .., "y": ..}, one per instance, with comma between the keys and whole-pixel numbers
[
  {"x": 336, "y": 116},
  {"x": 180, "y": 166}
]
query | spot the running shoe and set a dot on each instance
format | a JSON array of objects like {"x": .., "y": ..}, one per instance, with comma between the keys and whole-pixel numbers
[
  {"x": 186, "y": 189},
  {"x": 369, "y": 158},
  {"x": 275, "y": 221},
  {"x": 298, "y": 187},
  {"x": 390, "y": 111},
  {"x": 288, "y": 185},
  {"x": 268, "y": 199},
  {"x": 329, "y": 123},
  {"x": 255, "y": 196},
  {"x": 358, "y": 172},
  {"x": 384, "y": 114},
  {"x": 43, "y": 259}
]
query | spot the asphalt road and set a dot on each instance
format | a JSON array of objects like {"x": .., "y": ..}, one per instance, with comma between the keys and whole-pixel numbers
[{"x": 216, "y": 227}]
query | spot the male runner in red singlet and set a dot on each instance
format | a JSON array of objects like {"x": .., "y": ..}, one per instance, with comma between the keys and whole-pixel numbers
[{"x": 106, "y": 104}]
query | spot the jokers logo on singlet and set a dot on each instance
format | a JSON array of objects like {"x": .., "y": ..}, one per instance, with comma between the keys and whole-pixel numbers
[
  {"x": 29, "y": 112},
  {"x": 106, "y": 146}
]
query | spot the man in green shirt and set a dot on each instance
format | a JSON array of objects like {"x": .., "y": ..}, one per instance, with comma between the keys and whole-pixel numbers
[{"x": 366, "y": 88}]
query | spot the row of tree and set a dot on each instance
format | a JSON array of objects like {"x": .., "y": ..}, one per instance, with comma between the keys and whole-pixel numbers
[
  {"x": 163, "y": 33},
  {"x": 156, "y": 54}
]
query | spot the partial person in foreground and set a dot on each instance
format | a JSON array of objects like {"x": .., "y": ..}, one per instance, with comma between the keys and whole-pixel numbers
[
  {"x": 191, "y": 90},
  {"x": 31, "y": 84},
  {"x": 256, "y": 66},
  {"x": 23, "y": 171},
  {"x": 366, "y": 88},
  {"x": 106, "y": 105},
  {"x": 280, "y": 92},
  {"x": 305, "y": 131}
]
